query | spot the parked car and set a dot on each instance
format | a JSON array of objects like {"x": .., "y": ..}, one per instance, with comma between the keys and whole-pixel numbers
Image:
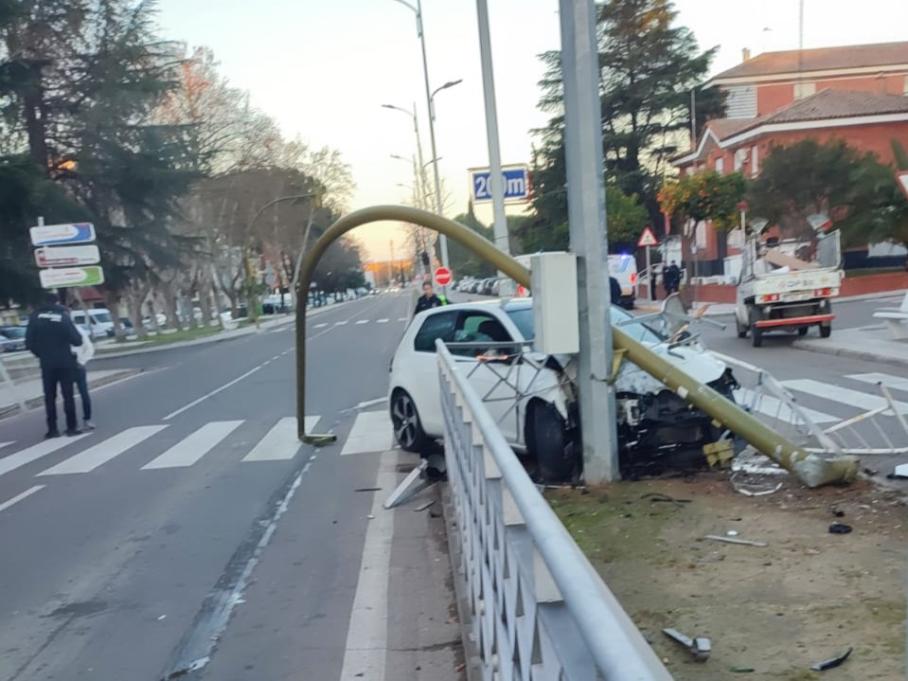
[
  {"x": 98, "y": 323},
  {"x": 12, "y": 338},
  {"x": 537, "y": 407}
]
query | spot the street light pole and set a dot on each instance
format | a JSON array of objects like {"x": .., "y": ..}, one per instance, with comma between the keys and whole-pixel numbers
[
  {"x": 588, "y": 236},
  {"x": 488, "y": 91},
  {"x": 425, "y": 70}
]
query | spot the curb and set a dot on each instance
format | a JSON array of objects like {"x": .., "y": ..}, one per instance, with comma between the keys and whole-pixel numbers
[
  {"x": 839, "y": 351},
  {"x": 213, "y": 338},
  {"x": 34, "y": 402}
]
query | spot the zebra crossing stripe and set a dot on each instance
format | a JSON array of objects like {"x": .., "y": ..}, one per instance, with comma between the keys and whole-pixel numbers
[
  {"x": 777, "y": 409},
  {"x": 371, "y": 432},
  {"x": 89, "y": 459},
  {"x": 836, "y": 393},
  {"x": 19, "y": 497},
  {"x": 35, "y": 452},
  {"x": 890, "y": 381},
  {"x": 5, "y": 444},
  {"x": 193, "y": 447},
  {"x": 279, "y": 444}
]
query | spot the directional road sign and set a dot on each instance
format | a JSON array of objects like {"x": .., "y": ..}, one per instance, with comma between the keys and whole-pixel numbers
[
  {"x": 442, "y": 276},
  {"x": 516, "y": 180},
  {"x": 67, "y": 256},
  {"x": 66, "y": 277},
  {"x": 74, "y": 233},
  {"x": 647, "y": 238}
]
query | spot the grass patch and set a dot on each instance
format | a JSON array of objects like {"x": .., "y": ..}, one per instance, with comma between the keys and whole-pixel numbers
[{"x": 184, "y": 335}]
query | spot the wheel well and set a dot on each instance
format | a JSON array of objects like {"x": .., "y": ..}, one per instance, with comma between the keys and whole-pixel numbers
[{"x": 529, "y": 433}]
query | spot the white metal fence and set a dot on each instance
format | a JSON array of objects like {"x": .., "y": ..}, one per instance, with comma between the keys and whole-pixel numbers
[{"x": 536, "y": 608}]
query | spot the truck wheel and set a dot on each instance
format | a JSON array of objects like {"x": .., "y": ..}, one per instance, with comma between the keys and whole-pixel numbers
[
  {"x": 756, "y": 333},
  {"x": 825, "y": 330}
]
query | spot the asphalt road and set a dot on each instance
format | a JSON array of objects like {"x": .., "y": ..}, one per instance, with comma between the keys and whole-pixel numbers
[{"x": 110, "y": 571}]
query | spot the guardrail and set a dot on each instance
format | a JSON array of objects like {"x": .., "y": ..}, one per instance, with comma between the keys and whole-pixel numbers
[{"x": 536, "y": 608}]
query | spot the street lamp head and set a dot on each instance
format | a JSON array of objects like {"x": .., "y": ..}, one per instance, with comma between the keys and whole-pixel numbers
[{"x": 451, "y": 83}]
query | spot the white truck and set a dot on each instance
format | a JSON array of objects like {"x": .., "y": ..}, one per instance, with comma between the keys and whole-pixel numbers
[{"x": 788, "y": 285}]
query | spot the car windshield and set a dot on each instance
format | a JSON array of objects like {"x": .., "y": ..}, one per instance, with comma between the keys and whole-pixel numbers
[
  {"x": 103, "y": 317},
  {"x": 523, "y": 319},
  {"x": 13, "y": 331}
]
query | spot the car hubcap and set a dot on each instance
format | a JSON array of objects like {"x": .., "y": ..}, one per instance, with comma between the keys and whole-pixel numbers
[{"x": 404, "y": 417}]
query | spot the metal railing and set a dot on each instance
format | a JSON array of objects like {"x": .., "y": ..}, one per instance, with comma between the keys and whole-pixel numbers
[
  {"x": 536, "y": 608},
  {"x": 878, "y": 430}
]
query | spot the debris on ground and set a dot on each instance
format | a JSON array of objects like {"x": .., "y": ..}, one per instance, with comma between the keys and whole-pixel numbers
[
  {"x": 900, "y": 472},
  {"x": 732, "y": 540},
  {"x": 367, "y": 489},
  {"x": 839, "y": 528},
  {"x": 832, "y": 662},
  {"x": 423, "y": 507},
  {"x": 802, "y": 593},
  {"x": 699, "y": 646}
]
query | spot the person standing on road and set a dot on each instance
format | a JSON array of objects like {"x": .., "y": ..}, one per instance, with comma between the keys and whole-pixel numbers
[
  {"x": 614, "y": 290},
  {"x": 83, "y": 354},
  {"x": 428, "y": 299},
  {"x": 671, "y": 278},
  {"x": 50, "y": 337}
]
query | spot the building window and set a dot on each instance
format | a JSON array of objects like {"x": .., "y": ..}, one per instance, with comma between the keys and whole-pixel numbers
[
  {"x": 740, "y": 157},
  {"x": 804, "y": 89},
  {"x": 720, "y": 165},
  {"x": 754, "y": 161}
]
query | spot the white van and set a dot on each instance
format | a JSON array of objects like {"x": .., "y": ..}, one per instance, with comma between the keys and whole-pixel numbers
[
  {"x": 99, "y": 324},
  {"x": 624, "y": 268}
]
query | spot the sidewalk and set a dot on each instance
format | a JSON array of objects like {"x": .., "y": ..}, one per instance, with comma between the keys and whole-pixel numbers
[
  {"x": 32, "y": 393},
  {"x": 872, "y": 343}
]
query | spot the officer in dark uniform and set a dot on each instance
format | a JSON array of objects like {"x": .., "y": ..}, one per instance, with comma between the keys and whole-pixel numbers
[
  {"x": 428, "y": 299},
  {"x": 50, "y": 337}
]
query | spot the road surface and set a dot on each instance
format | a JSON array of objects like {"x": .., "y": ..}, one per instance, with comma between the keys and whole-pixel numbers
[{"x": 193, "y": 517}]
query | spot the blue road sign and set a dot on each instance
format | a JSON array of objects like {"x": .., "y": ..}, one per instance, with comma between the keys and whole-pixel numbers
[
  {"x": 516, "y": 180},
  {"x": 74, "y": 233}
]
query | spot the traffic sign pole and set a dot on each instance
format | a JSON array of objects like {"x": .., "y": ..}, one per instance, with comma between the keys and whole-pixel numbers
[{"x": 646, "y": 241}]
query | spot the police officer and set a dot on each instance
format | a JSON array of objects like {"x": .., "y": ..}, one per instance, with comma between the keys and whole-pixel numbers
[
  {"x": 50, "y": 337},
  {"x": 428, "y": 299}
]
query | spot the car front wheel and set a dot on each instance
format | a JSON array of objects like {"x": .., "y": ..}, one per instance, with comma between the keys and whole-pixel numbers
[
  {"x": 405, "y": 418},
  {"x": 551, "y": 445}
]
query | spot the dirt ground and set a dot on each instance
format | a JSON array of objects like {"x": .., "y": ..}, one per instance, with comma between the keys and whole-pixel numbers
[{"x": 772, "y": 611}]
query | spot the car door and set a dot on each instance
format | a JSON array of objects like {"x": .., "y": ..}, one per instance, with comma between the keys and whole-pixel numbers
[
  {"x": 423, "y": 385},
  {"x": 492, "y": 373}
]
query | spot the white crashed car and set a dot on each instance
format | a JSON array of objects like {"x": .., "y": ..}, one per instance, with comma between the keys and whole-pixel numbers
[{"x": 536, "y": 407}]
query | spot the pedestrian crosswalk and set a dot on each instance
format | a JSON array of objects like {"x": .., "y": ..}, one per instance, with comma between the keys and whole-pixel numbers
[
  {"x": 370, "y": 433},
  {"x": 824, "y": 402}
]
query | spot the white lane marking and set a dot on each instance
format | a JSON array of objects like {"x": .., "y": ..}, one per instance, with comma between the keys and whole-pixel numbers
[
  {"x": 194, "y": 446},
  {"x": 383, "y": 321},
  {"x": 212, "y": 393},
  {"x": 890, "y": 381},
  {"x": 26, "y": 456},
  {"x": 836, "y": 393},
  {"x": 86, "y": 461},
  {"x": 367, "y": 636},
  {"x": 362, "y": 321},
  {"x": 775, "y": 408},
  {"x": 341, "y": 323},
  {"x": 371, "y": 432},
  {"x": 319, "y": 326},
  {"x": 403, "y": 319},
  {"x": 5, "y": 444},
  {"x": 276, "y": 357},
  {"x": 371, "y": 403},
  {"x": 280, "y": 443},
  {"x": 19, "y": 497}
]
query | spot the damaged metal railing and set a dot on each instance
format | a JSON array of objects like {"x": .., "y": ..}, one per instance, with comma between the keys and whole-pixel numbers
[
  {"x": 865, "y": 433},
  {"x": 536, "y": 608}
]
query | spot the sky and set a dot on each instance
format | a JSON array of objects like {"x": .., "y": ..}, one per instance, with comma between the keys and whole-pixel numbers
[{"x": 323, "y": 68}]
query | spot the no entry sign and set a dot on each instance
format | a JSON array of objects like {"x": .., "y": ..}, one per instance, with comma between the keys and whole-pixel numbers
[{"x": 442, "y": 276}]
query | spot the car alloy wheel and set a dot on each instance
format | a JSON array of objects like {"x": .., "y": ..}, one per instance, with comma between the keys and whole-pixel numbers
[{"x": 405, "y": 419}]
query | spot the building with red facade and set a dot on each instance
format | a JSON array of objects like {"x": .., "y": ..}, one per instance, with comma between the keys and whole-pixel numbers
[{"x": 856, "y": 94}]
